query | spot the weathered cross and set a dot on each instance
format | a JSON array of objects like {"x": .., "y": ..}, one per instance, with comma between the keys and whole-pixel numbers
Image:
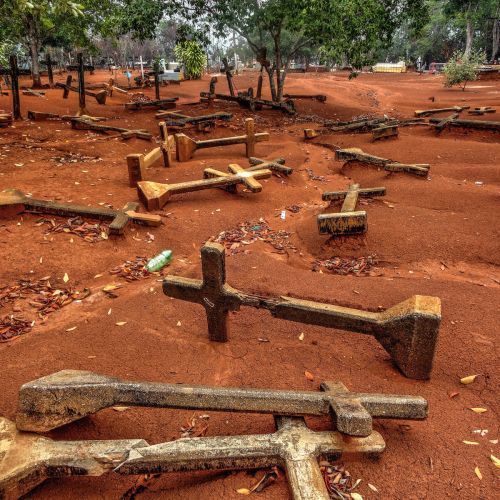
[
  {"x": 482, "y": 110},
  {"x": 137, "y": 163},
  {"x": 168, "y": 103},
  {"x": 27, "y": 460},
  {"x": 357, "y": 154},
  {"x": 155, "y": 195},
  {"x": 348, "y": 220},
  {"x": 293, "y": 446},
  {"x": 69, "y": 395},
  {"x": 80, "y": 123},
  {"x": 384, "y": 131},
  {"x": 276, "y": 166},
  {"x": 13, "y": 202},
  {"x": 477, "y": 124},
  {"x": 408, "y": 331},
  {"x": 174, "y": 119},
  {"x": 100, "y": 97},
  {"x": 186, "y": 146},
  {"x": 427, "y": 112}
]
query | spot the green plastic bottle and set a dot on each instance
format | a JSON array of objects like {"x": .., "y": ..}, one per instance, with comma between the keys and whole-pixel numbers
[{"x": 159, "y": 261}]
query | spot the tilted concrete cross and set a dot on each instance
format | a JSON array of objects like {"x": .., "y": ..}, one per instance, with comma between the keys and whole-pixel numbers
[{"x": 408, "y": 331}]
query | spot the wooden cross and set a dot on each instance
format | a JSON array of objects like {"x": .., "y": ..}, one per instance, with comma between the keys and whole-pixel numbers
[
  {"x": 178, "y": 120},
  {"x": 169, "y": 103},
  {"x": 407, "y": 331},
  {"x": 482, "y": 110},
  {"x": 27, "y": 459},
  {"x": 384, "y": 131},
  {"x": 14, "y": 202},
  {"x": 83, "y": 123},
  {"x": 293, "y": 446},
  {"x": 155, "y": 195},
  {"x": 137, "y": 163},
  {"x": 314, "y": 97},
  {"x": 185, "y": 146},
  {"x": 348, "y": 220},
  {"x": 83, "y": 393},
  {"x": 445, "y": 121},
  {"x": 427, "y": 112},
  {"x": 357, "y": 154}
]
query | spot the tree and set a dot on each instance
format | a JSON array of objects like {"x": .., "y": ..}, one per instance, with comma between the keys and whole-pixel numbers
[
  {"x": 193, "y": 57},
  {"x": 282, "y": 28},
  {"x": 462, "y": 68}
]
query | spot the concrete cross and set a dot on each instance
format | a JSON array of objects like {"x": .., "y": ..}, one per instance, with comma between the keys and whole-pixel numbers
[
  {"x": 293, "y": 446},
  {"x": 69, "y": 395},
  {"x": 408, "y": 331},
  {"x": 348, "y": 220},
  {"x": 27, "y": 460}
]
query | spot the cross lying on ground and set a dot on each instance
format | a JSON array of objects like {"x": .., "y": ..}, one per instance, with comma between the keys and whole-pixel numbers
[
  {"x": 277, "y": 165},
  {"x": 14, "y": 202},
  {"x": 137, "y": 163},
  {"x": 293, "y": 446},
  {"x": 168, "y": 103},
  {"x": 482, "y": 110},
  {"x": 27, "y": 459},
  {"x": 80, "y": 123},
  {"x": 408, "y": 331},
  {"x": 348, "y": 220},
  {"x": 178, "y": 120},
  {"x": 70, "y": 395},
  {"x": 477, "y": 124},
  {"x": 155, "y": 195},
  {"x": 100, "y": 97},
  {"x": 356, "y": 154},
  {"x": 427, "y": 112},
  {"x": 185, "y": 146}
]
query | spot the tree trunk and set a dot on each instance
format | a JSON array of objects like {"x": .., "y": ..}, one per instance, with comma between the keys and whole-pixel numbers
[
  {"x": 469, "y": 37},
  {"x": 270, "y": 74},
  {"x": 277, "y": 58},
  {"x": 33, "y": 48},
  {"x": 495, "y": 37}
]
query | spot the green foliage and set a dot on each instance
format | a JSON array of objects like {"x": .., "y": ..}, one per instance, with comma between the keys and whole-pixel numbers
[
  {"x": 193, "y": 58},
  {"x": 462, "y": 68}
]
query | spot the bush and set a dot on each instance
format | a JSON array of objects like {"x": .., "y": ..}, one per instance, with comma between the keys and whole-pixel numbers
[
  {"x": 461, "y": 69},
  {"x": 193, "y": 58}
]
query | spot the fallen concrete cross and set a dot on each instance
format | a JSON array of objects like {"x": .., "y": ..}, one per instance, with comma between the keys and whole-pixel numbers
[
  {"x": 69, "y": 395},
  {"x": 428, "y": 112},
  {"x": 80, "y": 123},
  {"x": 28, "y": 91},
  {"x": 168, "y": 103},
  {"x": 185, "y": 146},
  {"x": 100, "y": 97},
  {"x": 41, "y": 115},
  {"x": 276, "y": 166},
  {"x": 357, "y": 125},
  {"x": 178, "y": 120},
  {"x": 384, "y": 131},
  {"x": 293, "y": 446},
  {"x": 408, "y": 331},
  {"x": 356, "y": 154},
  {"x": 348, "y": 220},
  {"x": 315, "y": 97},
  {"x": 13, "y": 202},
  {"x": 27, "y": 460},
  {"x": 155, "y": 195},
  {"x": 482, "y": 110},
  {"x": 477, "y": 124},
  {"x": 137, "y": 163},
  {"x": 439, "y": 127}
]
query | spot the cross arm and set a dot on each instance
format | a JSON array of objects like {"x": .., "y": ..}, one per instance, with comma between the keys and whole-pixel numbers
[{"x": 364, "y": 192}]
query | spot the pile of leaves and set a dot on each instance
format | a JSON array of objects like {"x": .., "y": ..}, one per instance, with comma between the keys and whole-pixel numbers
[
  {"x": 357, "y": 266},
  {"x": 12, "y": 327},
  {"x": 76, "y": 225},
  {"x": 196, "y": 426},
  {"x": 132, "y": 270},
  {"x": 140, "y": 97},
  {"x": 251, "y": 231},
  {"x": 313, "y": 177},
  {"x": 74, "y": 158},
  {"x": 338, "y": 481}
]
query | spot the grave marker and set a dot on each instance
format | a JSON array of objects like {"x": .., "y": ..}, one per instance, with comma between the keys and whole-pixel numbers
[
  {"x": 427, "y": 112},
  {"x": 27, "y": 460},
  {"x": 14, "y": 75},
  {"x": 482, "y": 110},
  {"x": 384, "y": 131},
  {"x": 276, "y": 166},
  {"x": 348, "y": 220},
  {"x": 173, "y": 119},
  {"x": 477, "y": 124},
  {"x": 14, "y": 202},
  {"x": 100, "y": 97},
  {"x": 169, "y": 103},
  {"x": 185, "y": 146},
  {"x": 84, "y": 123},
  {"x": 83, "y": 393},
  {"x": 407, "y": 331},
  {"x": 155, "y": 195}
]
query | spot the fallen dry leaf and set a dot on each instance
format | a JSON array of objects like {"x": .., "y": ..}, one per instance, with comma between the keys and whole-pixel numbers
[
  {"x": 356, "y": 496},
  {"x": 478, "y": 410},
  {"x": 495, "y": 460},
  {"x": 71, "y": 329},
  {"x": 120, "y": 408},
  {"x": 469, "y": 442},
  {"x": 468, "y": 380},
  {"x": 97, "y": 276},
  {"x": 301, "y": 336},
  {"x": 478, "y": 473},
  {"x": 309, "y": 375},
  {"x": 243, "y": 491},
  {"x": 373, "y": 488},
  {"x": 65, "y": 278},
  {"x": 120, "y": 323}
]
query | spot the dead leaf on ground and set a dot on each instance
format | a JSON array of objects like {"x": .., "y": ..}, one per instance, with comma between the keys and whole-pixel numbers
[
  {"x": 309, "y": 375},
  {"x": 243, "y": 491},
  {"x": 478, "y": 473},
  {"x": 468, "y": 380},
  {"x": 120, "y": 323},
  {"x": 478, "y": 410}
]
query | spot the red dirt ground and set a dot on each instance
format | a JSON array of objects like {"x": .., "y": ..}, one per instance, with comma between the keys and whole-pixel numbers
[{"x": 432, "y": 237}]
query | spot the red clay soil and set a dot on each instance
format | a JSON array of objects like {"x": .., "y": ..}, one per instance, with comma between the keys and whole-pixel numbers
[{"x": 435, "y": 236}]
